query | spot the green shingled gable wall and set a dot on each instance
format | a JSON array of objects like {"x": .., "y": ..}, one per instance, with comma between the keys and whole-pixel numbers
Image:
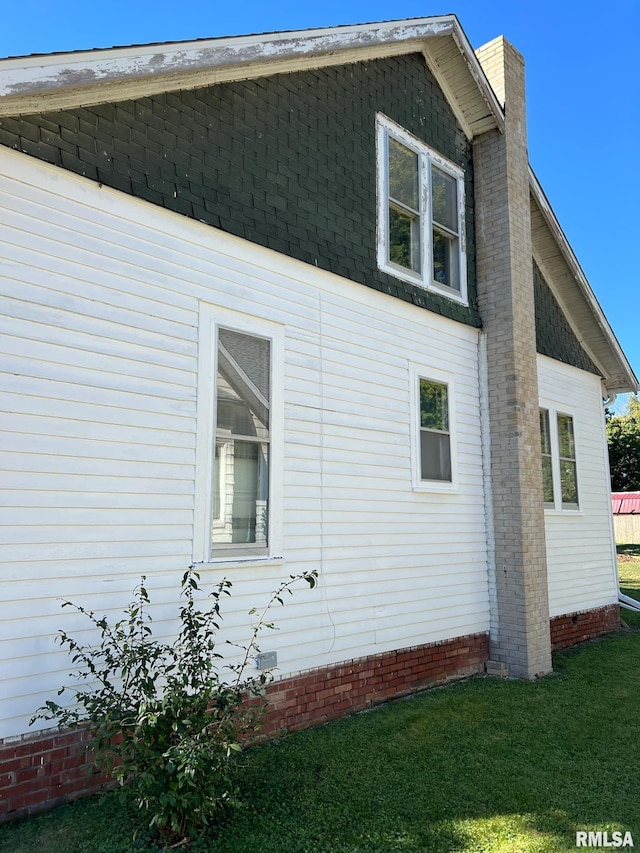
[
  {"x": 286, "y": 161},
  {"x": 554, "y": 336}
]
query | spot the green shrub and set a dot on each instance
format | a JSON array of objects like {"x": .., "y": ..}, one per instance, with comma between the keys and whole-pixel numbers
[{"x": 165, "y": 722}]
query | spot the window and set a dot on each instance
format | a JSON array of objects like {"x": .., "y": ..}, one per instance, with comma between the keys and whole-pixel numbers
[
  {"x": 435, "y": 441},
  {"x": 547, "y": 465},
  {"x": 568, "y": 469},
  {"x": 559, "y": 466},
  {"x": 434, "y": 448},
  {"x": 239, "y": 438},
  {"x": 241, "y": 459},
  {"x": 420, "y": 213}
]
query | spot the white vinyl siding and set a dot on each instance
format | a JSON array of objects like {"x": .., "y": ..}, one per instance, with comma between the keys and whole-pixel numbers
[
  {"x": 102, "y": 297},
  {"x": 580, "y": 552}
]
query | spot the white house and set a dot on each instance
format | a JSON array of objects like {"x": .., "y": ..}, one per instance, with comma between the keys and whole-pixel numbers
[{"x": 282, "y": 303}]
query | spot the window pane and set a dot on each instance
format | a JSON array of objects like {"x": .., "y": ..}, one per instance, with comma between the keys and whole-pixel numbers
[
  {"x": 403, "y": 175},
  {"x": 545, "y": 448},
  {"x": 445, "y": 260},
  {"x": 434, "y": 405},
  {"x": 444, "y": 199},
  {"x": 545, "y": 439},
  {"x": 242, "y": 490},
  {"x": 404, "y": 239},
  {"x": 241, "y": 472},
  {"x": 547, "y": 480},
  {"x": 435, "y": 456},
  {"x": 217, "y": 506},
  {"x": 569, "y": 481},
  {"x": 243, "y": 384},
  {"x": 566, "y": 443}
]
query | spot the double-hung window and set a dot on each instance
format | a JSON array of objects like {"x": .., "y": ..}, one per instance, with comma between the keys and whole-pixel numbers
[
  {"x": 559, "y": 465},
  {"x": 434, "y": 453},
  {"x": 239, "y": 438},
  {"x": 421, "y": 235}
]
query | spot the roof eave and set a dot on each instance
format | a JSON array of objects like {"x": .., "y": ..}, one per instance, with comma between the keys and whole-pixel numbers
[
  {"x": 67, "y": 80},
  {"x": 620, "y": 377}
]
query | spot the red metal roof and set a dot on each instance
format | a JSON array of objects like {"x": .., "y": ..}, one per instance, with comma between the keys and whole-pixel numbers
[{"x": 625, "y": 503}]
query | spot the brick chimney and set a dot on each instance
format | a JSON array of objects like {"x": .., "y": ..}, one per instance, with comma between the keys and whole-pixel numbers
[{"x": 520, "y": 637}]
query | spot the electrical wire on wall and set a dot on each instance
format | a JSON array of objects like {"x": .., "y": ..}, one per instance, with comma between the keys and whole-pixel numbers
[{"x": 323, "y": 587}]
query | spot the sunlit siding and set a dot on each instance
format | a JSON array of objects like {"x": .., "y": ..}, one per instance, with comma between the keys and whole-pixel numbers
[
  {"x": 98, "y": 370},
  {"x": 580, "y": 555}
]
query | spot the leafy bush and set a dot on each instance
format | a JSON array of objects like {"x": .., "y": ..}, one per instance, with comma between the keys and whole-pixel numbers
[{"x": 166, "y": 724}]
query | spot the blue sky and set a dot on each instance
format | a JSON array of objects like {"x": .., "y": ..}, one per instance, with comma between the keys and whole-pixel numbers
[{"x": 582, "y": 91}]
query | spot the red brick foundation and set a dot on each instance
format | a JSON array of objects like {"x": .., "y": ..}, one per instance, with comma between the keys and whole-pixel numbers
[
  {"x": 572, "y": 628},
  {"x": 41, "y": 771},
  {"x": 319, "y": 695}
]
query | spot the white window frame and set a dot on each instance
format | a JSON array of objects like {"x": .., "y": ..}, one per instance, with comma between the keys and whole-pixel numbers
[
  {"x": 211, "y": 319},
  {"x": 416, "y": 373},
  {"x": 557, "y": 506},
  {"x": 549, "y": 420},
  {"x": 427, "y": 157}
]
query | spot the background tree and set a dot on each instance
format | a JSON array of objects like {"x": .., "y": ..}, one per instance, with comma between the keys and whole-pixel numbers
[{"x": 623, "y": 437}]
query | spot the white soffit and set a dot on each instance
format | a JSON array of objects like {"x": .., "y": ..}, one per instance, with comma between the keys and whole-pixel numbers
[
  {"x": 562, "y": 272},
  {"x": 66, "y": 80}
]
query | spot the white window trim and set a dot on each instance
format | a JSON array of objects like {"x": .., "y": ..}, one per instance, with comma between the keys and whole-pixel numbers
[
  {"x": 211, "y": 318},
  {"x": 416, "y": 373},
  {"x": 557, "y": 506},
  {"x": 426, "y": 155}
]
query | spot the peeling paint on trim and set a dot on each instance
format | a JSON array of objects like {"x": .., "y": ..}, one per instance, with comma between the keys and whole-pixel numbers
[
  {"x": 68, "y": 80},
  {"x": 42, "y": 73}
]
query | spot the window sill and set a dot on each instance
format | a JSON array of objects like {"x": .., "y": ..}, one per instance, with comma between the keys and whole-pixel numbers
[
  {"x": 228, "y": 562},
  {"x": 433, "y": 486},
  {"x": 418, "y": 281},
  {"x": 549, "y": 510}
]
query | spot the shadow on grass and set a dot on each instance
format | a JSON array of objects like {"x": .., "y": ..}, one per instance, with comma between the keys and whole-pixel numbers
[{"x": 630, "y": 550}]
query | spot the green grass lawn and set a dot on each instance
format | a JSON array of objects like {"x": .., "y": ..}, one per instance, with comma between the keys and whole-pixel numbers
[{"x": 482, "y": 766}]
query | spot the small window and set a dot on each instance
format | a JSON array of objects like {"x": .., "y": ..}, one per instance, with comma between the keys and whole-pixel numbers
[
  {"x": 547, "y": 465},
  {"x": 559, "y": 465},
  {"x": 435, "y": 438},
  {"x": 568, "y": 468},
  {"x": 420, "y": 212}
]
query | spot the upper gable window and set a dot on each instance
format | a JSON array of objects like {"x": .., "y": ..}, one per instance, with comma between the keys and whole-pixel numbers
[{"x": 420, "y": 213}]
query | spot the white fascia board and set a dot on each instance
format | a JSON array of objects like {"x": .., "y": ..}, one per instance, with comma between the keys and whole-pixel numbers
[
  {"x": 590, "y": 297},
  {"x": 28, "y": 76},
  {"x": 469, "y": 54},
  {"x": 67, "y": 80}
]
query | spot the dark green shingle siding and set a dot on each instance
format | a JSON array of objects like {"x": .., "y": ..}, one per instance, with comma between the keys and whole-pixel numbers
[
  {"x": 286, "y": 161},
  {"x": 554, "y": 336}
]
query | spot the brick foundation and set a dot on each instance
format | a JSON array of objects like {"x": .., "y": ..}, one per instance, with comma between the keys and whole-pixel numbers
[
  {"x": 41, "y": 771},
  {"x": 572, "y": 628},
  {"x": 319, "y": 695}
]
